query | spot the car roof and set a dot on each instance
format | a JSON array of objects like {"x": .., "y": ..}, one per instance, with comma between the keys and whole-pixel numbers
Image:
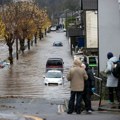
[
  {"x": 55, "y": 59},
  {"x": 57, "y": 41},
  {"x": 54, "y": 71}
]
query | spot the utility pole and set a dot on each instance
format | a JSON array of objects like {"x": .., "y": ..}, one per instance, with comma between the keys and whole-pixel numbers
[{"x": 66, "y": 23}]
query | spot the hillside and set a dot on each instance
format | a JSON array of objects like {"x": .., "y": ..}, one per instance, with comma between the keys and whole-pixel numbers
[
  {"x": 54, "y": 7},
  {"x": 57, "y": 6}
]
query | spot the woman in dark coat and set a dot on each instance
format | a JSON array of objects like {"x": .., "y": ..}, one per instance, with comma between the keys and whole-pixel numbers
[{"x": 89, "y": 84}]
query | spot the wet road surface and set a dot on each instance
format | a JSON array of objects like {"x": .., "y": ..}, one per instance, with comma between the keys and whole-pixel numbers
[{"x": 25, "y": 77}]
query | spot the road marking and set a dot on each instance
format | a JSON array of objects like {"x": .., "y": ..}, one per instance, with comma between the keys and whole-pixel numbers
[
  {"x": 33, "y": 117},
  {"x": 60, "y": 109},
  {"x": 31, "y": 101}
]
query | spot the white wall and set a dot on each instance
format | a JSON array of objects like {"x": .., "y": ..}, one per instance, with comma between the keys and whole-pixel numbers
[
  {"x": 91, "y": 30},
  {"x": 109, "y": 30}
]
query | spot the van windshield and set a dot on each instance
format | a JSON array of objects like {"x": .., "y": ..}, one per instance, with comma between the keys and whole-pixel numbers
[{"x": 54, "y": 63}]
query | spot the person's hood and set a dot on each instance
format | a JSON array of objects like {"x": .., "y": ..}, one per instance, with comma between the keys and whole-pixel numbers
[
  {"x": 75, "y": 65},
  {"x": 113, "y": 59}
]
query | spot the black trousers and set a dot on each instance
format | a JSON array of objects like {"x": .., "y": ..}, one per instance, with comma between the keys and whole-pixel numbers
[
  {"x": 75, "y": 96},
  {"x": 118, "y": 91},
  {"x": 111, "y": 93},
  {"x": 87, "y": 99}
]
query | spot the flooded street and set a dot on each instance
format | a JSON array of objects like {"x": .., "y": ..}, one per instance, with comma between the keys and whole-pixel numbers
[{"x": 25, "y": 77}]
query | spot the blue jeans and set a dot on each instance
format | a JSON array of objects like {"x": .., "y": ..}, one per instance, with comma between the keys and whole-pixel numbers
[{"x": 72, "y": 106}]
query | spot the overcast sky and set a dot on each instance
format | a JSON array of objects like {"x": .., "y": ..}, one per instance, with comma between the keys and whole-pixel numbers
[{"x": 22, "y": 0}]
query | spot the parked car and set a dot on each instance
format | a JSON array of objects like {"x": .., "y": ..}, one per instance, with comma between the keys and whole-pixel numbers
[
  {"x": 55, "y": 63},
  {"x": 53, "y": 77},
  {"x": 1, "y": 65},
  {"x": 64, "y": 30},
  {"x": 53, "y": 28},
  {"x": 4, "y": 64},
  {"x": 57, "y": 43}
]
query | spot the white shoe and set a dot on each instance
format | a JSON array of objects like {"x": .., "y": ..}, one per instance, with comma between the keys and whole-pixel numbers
[{"x": 89, "y": 112}]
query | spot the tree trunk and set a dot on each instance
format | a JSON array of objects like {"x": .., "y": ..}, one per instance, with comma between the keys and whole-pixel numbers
[
  {"x": 40, "y": 34},
  {"x": 22, "y": 45},
  {"x": 10, "y": 54},
  {"x": 45, "y": 32},
  {"x": 9, "y": 44},
  {"x": 28, "y": 44},
  {"x": 9, "y": 41},
  {"x": 31, "y": 42},
  {"x": 35, "y": 38}
]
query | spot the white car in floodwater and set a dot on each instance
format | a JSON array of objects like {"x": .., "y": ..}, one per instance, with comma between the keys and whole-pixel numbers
[
  {"x": 53, "y": 28},
  {"x": 53, "y": 77}
]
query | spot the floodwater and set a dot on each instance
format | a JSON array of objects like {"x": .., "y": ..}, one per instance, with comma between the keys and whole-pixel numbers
[{"x": 25, "y": 77}]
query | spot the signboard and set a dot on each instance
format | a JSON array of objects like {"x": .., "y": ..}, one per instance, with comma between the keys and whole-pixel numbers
[
  {"x": 91, "y": 29},
  {"x": 92, "y": 61}
]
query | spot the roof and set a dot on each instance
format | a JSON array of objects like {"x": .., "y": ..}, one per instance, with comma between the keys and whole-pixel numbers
[
  {"x": 54, "y": 71},
  {"x": 54, "y": 58}
]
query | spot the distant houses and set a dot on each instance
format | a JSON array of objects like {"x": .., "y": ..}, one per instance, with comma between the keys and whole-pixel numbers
[{"x": 82, "y": 27}]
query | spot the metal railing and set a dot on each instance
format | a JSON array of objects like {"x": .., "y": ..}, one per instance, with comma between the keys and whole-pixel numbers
[{"x": 99, "y": 89}]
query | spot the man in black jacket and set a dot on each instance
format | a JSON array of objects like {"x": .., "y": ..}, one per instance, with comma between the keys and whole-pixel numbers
[{"x": 118, "y": 88}]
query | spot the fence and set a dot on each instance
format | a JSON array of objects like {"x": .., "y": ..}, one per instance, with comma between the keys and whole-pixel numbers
[{"x": 99, "y": 89}]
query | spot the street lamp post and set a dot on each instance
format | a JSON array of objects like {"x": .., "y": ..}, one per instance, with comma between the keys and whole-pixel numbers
[{"x": 66, "y": 23}]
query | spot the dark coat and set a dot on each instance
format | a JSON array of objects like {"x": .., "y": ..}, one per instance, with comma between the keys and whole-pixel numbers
[{"x": 91, "y": 79}]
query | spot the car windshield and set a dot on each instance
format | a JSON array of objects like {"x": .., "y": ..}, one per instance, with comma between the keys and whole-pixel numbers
[
  {"x": 57, "y": 42},
  {"x": 54, "y": 75}
]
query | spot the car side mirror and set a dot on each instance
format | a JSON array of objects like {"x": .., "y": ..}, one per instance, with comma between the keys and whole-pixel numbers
[
  {"x": 43, "y": 76},
  {"x": 63, "y": 77}
]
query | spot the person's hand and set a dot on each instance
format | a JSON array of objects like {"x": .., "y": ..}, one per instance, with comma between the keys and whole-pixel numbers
[{"x": 93, "y": 89}]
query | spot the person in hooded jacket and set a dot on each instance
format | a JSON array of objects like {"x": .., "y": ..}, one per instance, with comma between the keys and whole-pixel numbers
[
  {"x": 112, "y": 82},
  {"x": 76, "y": 75},
  {"x": 89, "y": 84}
]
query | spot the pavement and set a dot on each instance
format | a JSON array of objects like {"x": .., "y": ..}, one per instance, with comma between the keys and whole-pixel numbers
[
  {"x": 41, "y": 109},
  {"x": 13, "y": 116}
]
